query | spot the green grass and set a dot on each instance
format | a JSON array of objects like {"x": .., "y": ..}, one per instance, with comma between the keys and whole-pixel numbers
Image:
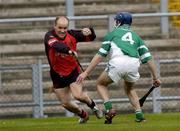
[{"x": 155, "y": 122}]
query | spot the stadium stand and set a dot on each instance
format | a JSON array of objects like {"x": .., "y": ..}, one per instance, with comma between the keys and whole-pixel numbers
[
  {"x": 174, "y": 6},
  {"x": 22, "y": 43}
]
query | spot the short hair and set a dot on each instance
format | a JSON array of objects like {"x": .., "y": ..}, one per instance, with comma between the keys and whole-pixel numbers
[{"x": 58, "y": 17}]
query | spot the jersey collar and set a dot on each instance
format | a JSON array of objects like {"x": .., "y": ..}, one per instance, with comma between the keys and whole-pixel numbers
[{"x": 125, "y": 26}]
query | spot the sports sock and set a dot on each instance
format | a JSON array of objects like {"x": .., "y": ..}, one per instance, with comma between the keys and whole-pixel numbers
[
  {"x": 139, "y": 114},
  {"x": 92, "y": 104},
  {"x": 82, "y": 114},
  {"x": 108, "y": 105}
]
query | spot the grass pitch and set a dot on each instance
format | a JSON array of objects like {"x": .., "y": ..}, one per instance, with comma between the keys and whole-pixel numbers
[{"x": 155, "y": 122}]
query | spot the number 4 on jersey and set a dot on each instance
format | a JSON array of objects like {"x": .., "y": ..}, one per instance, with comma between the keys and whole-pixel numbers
[{"x": 128, "y": 37}]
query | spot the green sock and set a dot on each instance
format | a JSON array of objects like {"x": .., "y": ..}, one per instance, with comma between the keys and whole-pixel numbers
[
  {"x": 108, "y": 105},
  {"x": 139, "y": 114}
]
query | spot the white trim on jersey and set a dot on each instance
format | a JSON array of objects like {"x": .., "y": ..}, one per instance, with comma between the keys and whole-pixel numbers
[
  {"x": 142, "y": 46},
  {"x": 145, "y": 55},
  {"x": 102, "y": 51},
  {"x": 52, "y": 41},
  {"x": 126, "y": 29},
  {"x": 106, "y": 42}
]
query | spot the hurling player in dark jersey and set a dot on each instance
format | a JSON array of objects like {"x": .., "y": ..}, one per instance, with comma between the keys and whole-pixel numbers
[{"x": 60, "y": 47}]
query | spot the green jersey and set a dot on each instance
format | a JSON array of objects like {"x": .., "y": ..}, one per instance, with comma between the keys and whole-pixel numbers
[{"x": 124, "y": 41}]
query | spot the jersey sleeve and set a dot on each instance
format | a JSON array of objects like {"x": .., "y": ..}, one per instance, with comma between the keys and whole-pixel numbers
[
  {"x": 52, "y": 42},
  {"x": 105, "y": 46},
  {"x": 78, "y": 35},
  {"x": 143, "y": 51}
]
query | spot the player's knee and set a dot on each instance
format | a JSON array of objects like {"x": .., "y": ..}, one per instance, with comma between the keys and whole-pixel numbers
[{"x": 102, "y": 83}]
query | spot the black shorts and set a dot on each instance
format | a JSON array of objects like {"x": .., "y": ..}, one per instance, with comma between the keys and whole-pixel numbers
[{"x": 63, "y": 81}]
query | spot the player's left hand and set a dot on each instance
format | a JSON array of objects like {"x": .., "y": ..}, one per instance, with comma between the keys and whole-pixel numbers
[
  {"x": 73, "y": 53},
  {"x": 86, "y": 31},
  {"x": 81, "y": 77}
]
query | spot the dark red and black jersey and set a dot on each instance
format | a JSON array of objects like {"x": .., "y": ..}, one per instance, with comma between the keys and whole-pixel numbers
[{"x": 57, "y": 50}]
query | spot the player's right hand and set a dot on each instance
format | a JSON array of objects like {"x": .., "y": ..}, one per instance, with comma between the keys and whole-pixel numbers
[{"x": 156, "y": 82}]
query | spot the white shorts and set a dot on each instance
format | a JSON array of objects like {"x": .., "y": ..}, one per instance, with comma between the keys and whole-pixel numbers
[{"x": 123, "y": 68}]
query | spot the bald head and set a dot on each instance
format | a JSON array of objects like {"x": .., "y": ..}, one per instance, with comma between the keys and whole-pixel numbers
[
  {"x": 61, "y": 25},
  {"x": 62, "y": 19}
]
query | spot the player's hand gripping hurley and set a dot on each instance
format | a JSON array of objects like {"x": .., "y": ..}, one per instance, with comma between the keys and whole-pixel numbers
[{"x": 156, "y": 83}]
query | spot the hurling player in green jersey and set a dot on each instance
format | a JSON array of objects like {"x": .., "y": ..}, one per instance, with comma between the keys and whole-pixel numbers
[{"x": 127, "y": 51}]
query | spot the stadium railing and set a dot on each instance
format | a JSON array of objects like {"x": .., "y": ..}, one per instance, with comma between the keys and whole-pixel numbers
[
  {"x": 164, "y": 29},
  {"x": 38, "y": 103}
]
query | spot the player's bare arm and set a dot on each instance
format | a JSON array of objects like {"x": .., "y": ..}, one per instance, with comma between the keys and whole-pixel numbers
[
  {"x": 96, "y": 59},
  {"x": 152, "y": 67}
]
